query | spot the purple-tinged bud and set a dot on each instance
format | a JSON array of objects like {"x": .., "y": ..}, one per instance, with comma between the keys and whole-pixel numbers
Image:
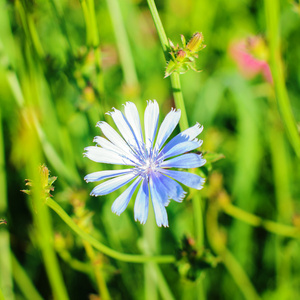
[{"x": 180, "y": 55}]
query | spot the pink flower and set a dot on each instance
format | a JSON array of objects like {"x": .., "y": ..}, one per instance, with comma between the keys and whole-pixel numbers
[{"x": 251, "y": 56}]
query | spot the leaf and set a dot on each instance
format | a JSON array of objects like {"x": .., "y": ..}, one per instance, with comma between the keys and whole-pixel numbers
[{"x": 212, "y": 157}]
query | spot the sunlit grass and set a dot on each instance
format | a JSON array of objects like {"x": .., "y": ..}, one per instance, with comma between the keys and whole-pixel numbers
[{"x": 62, "y": 66}]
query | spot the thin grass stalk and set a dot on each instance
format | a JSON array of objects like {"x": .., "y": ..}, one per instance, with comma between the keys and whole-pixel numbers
[
  {"x": 6, "y": 281},
  {"x": 239, "y": 275},
  {"x": 98, "y": 272},
  {"x": 154, "y": 278},
  {"x": 96, "y": 46},
  {"x": 217, "y": 242},
  {"x": 281, "y": 175},
  {"x": 48, "y": 148},
  {"x": 58, "y": 12},
  {"x": 23, "y": 281},
  {"x": 29, "y": 29},
  {"x": 123, "y": 45},
  {"x": 272, "y": 10}
]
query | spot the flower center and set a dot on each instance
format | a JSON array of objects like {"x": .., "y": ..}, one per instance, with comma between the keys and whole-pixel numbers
[{"x": 147, "y": 168}]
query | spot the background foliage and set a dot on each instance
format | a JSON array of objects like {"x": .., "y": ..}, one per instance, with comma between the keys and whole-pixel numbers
[{"x": 63, "y": 64}]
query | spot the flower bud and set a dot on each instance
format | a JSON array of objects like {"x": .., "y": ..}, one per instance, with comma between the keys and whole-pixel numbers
[
  {"x": 181, "y": 55},
  {"x": 195, "y": 43}
]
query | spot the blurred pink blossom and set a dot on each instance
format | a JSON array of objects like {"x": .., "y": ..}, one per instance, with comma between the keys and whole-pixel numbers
[{"x": 251, "y": 57}]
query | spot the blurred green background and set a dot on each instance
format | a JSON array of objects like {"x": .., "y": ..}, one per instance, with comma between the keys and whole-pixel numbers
[{"x": 63, "y": 64}]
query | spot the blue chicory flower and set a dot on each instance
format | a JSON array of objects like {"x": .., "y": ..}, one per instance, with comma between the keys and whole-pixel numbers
[{"x": 150, "y": 162}]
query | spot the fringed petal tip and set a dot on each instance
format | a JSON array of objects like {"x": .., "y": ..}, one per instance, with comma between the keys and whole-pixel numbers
[
  {"x": 203, "y": 160},
  {"x": 141, "y": 222},
  {"x": 109, "y": 113},
  {"x": 99, "y": 123},
  {"x": 181, "y": 197}
]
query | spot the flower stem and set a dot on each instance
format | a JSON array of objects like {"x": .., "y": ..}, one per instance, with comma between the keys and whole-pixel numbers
[
  {"x": 159, "y": 27},
  {"x": 97, "y": 268},
  {"x": 256, "y": 221},
  {"x": 239, "y": 275},
  {"x": 217, "y": 241},
  {"x": 272, "y": 21},
  {"x": 101, "y": 247},
  {"x": 179, "y": 102},
  {"x": 175, "y": 81},
  {"x": 183, "y": 123}
]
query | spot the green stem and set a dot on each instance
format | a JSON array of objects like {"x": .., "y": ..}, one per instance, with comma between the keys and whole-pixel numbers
[
  {"x": 94, "y": 29},
  {"x": 58, "y": 11},
  {"x": 74, "y": 263},
  {"x": 153, "y": 273},
  {"x": 98, "y": 272},
  {"x": 53, "y": 157},
  {"x": 272, "y": 21},
  {"x": 256, "y": 221},
  {"x": 179, "y": 102},
  {"x": 29, "y": 29},
  {"x": 89, "y": 14},
  {"x": 87, "y": 20},
  {"x": 281, "y": 175},
  {"x": 159, "y": 27},
  {"x": 198, "y": 219},
  {"x": 50, "y": 152},
  {"x": 24, "y": 282},
  {"x": 239, "y": 276},
  {"x": 150, "y": 246},
  {"x": 217, "y": 242},
  {"x": 183, "y": 123},
  {"x": 102, "y": 248},
  {"x": 41, "y": 216},
  {"x": 6, "y": 281},
  {"x": 45, "y": 238},
  {"x": 126, "y": 57}
]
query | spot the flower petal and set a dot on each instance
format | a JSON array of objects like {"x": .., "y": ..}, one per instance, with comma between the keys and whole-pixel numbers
[
  {"x": 181, "y": 148},
  {"x": 102, "y": 155},
  {"x": 168, "y": 125},
  {"x": 111, "y": 185},
  {"x": 114, "y": 137},
  {"x": 125, "y": 129},
  {"x": 190, "y": 160},
  {"x": 158, "y": 197},
  {"x": 186, "y": 135},
  {"x": 97, "y": 176},
  {"x": 151, "y": 121},
  {"x": 122, "y": 201},
  {"x": 106, "y": 144},
  {"x": 133, "y": 118},
  {"x": 175, "y": 191},
  {"x": 188, "y": 179},
  {"x": 141, "y": 204}
]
